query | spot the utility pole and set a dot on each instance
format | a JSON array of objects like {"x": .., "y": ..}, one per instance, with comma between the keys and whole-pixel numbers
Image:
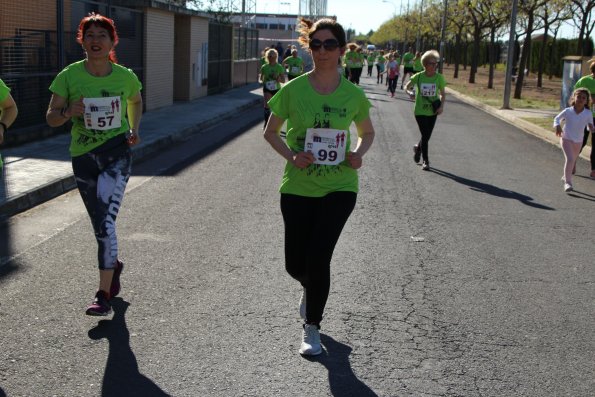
[{"x": 510, "y": 57}]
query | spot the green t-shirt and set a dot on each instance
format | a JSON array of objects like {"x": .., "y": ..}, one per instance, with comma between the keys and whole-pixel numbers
[
  {"x": 270, "y": 73},
  {"x": 106, "y": 100},
  {"x": 427, "y": 90},
  {"x": 295, "y": 66},
  {"x": 351, "y": 59},
  {"x": 381, "y": 61},
  {"x": 408, "y": 59},
  {"x": 4, "y": 91},
  {"x": 304, "y": 108},
  {"x": 417, "y": 65},
  {"x": 588, "y": 82},
  {"x": 371, "y": 58}
]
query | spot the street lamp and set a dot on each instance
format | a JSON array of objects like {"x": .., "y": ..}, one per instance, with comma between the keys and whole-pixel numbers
[
  {"x": 417, "y": 42},
  {"x": 394, "y": 6}
]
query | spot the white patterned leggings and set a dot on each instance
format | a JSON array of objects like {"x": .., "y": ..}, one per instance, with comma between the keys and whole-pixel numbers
[{"x": 101, "y": 180}]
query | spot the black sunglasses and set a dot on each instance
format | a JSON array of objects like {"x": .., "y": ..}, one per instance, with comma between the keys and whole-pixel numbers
[{"x": 328, "y": 44}]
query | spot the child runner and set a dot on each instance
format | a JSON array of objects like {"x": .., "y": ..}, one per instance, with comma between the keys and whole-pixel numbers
[{"x": 576, "y": 118}]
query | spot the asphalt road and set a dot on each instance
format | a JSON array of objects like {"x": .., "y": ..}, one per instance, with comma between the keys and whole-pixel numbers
[{"x": 474, "y": 279}]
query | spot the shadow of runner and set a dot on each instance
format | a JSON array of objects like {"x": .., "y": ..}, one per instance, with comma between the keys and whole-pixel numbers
[
  {"x": 2, "y": 393},
  {"x": 121, "y": 377},
  {"x": 342, "y": 381},
  {"x": 493, "y": 190}
]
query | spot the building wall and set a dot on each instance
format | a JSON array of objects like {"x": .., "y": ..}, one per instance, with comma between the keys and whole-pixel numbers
[
  {"x": 159, "y": 58},
  {"x": 200, "y": 35}
]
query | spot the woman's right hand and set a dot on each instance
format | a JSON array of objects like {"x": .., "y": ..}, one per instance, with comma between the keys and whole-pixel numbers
[
  {"x": 76, "y": 108},
  {"x": 302, "y": 159}
]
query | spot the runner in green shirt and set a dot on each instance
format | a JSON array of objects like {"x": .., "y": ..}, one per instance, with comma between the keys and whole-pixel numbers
[
  {"x": 429, "y": 102},
  {"x": 588, "y": 82},
  {"x": 272, "y": 74},
  {"x": 417, "y": 66},
  {"x": 320, "y": 183},
  {"x": 294, "y": 65},
  {"x": 370, "y": 60},
  {"x": 103, "y": 101},
  {"x": 380, "y": 66},
  {"x": 407, "y": 62},
  {"x": 8, "y": 112}
]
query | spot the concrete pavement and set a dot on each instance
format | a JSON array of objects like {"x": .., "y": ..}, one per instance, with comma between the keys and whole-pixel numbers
[{"x": 39, "y": 171}]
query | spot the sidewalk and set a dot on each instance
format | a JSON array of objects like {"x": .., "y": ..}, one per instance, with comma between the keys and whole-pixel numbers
[{"x": 41, "y": 170}]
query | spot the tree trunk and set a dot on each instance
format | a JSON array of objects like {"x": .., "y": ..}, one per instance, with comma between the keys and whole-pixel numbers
[
  {"x": 524, "y": 57},
  {"x": 457, "y": 54},
  {"x": 474, "y": 58},
  {"x": 546, "y": 28},
  {"x": 492, "y": 56}
]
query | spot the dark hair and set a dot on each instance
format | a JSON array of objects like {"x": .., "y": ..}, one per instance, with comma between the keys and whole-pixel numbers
[
  {"x": 308, "y": 28},
  {"x": 103, "y": 22},
  {"x": 581, "y": 91}
]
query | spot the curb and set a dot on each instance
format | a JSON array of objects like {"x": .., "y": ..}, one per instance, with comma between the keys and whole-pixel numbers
[
  {"x": 521, "y": 124},
  {"x": 57, "y": 187}
]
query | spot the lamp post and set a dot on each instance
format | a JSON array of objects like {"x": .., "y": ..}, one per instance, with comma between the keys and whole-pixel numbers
[
  {"x": 394, "y": 6},
  {"x": 418, "y": 41},
  {"x": 510, "y": 57},
  {"x": 442, "y": 34}
]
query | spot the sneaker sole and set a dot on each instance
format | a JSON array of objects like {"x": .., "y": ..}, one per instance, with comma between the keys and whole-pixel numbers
[
  {"x": 91, "y": 312},
  {"x": 308, "y": 352}
]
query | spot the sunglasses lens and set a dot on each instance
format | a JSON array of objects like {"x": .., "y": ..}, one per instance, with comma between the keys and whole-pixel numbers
[
  {"x": 315, "y": 44},
  {"x": 331, "y": 44}
]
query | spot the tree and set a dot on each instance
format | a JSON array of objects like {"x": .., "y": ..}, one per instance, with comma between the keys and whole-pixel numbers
[
  {"x": 479, "y": 13},
  {"x": 585, "y": 17},
  {"x": 556, "y": 11},
  {"x": 458, "y": 19},
  {"x": 529, "y": 8}
]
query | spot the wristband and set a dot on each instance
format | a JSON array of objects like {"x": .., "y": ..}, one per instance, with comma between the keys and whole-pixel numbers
[
  {"x": 4, "y": 126},
  {"x": 63, "y": 113}
]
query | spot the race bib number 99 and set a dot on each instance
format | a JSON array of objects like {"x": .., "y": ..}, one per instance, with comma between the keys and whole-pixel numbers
[
  {"x": 103, "y": 113},
  {"x": 327, "y": 145}
]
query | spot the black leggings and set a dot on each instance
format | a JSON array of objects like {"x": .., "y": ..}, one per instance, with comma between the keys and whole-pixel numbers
[
  {"x": 426, "y": 126},
  {"x": 392, "y": 84},
  {"x": 101, "y": 180},
  {"x": 312, "y": 228},
  {"x": 355, "y": 75},
  {"x": 585, "y": 140}
]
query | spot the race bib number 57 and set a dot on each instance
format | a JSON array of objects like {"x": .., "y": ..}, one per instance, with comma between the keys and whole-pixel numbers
[
  {"x": 103, "y": 113},
  {"x": 327, "y": 145}
]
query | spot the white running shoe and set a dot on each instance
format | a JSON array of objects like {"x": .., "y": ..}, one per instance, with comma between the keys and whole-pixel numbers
[
  {"x": 568, "y": 187},
  {"x": 310, "y": 341},
  {"x": 303, "y": 304}
]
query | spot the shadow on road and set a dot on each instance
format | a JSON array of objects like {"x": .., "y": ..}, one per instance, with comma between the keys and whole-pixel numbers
[
  {"x": 493, "y": 190},
  {"x": 2, "y": 393},
  {"x": 343, "y": 382},
  {"x": 121, "y": 377}
]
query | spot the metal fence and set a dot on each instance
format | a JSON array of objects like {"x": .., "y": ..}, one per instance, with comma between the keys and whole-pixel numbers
[{"x": 38, "y": 38}]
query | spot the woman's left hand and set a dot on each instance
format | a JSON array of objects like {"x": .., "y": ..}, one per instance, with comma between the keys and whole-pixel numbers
[
  {"x": 439, "y": 110},
  {"x": 355, "y": 160}
]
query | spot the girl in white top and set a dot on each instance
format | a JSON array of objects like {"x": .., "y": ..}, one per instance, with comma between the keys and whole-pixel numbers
[{"x": 576, "y": 118}]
